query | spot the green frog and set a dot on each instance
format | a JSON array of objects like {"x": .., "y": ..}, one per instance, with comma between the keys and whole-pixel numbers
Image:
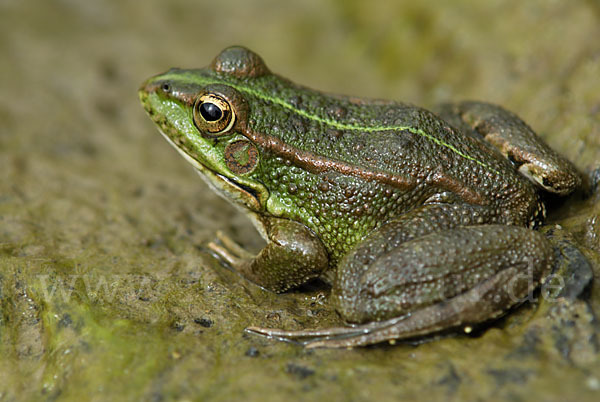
[{"x": 421, "y": 221}]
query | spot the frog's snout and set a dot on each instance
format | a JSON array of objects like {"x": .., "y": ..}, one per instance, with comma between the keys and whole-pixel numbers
[
  {"x": 158, "y": 82},
  {"x": 149, "y": 86}
]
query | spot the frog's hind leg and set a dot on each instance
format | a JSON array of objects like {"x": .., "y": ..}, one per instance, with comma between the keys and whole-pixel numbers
[
  {"x": 448, "y": 279},
  {"x": 510, "y": 135},
  {"x": 478, "y": 304}
]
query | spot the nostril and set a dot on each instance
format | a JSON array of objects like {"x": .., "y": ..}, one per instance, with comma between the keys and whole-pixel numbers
[{"x": 166, "y": 87}]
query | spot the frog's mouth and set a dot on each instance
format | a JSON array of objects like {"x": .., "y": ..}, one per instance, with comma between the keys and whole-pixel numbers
[{"x": 231, "y": 190}]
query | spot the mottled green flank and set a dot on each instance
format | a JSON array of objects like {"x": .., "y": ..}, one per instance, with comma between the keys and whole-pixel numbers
[
  {"x": 110, "y": 288},
  {"x": 414, "y": 218}
]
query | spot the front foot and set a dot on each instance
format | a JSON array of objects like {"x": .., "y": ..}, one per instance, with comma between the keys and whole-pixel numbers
[
  {"x": 292, "y": 256},
  {"x": 230, "y": 252}
]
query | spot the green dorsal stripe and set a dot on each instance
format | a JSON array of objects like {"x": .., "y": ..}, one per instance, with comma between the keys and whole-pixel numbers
[{"x": 324, "y": 120}]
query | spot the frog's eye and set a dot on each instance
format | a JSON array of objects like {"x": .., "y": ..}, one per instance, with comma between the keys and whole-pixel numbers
[{"x": 213, "y": 114}]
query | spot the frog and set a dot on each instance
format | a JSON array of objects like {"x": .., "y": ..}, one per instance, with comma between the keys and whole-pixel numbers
[{"x": 421, "y": 221}]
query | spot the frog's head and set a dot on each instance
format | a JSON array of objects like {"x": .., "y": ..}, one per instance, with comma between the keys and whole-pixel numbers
[{"x": 202, "y": 114}]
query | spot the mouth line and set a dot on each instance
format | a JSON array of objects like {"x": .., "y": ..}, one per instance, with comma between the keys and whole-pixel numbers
[
  {"x": 185, "y": 155},
  {"x": 209, "y": 172}
]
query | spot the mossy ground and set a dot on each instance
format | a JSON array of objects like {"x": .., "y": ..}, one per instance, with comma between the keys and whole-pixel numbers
[{"x": 105, "y": 289}]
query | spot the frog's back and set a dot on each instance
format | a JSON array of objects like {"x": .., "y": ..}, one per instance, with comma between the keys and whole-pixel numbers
[
  {"x": 389, "y": 142},
  {"x": 385, "y": 136}
]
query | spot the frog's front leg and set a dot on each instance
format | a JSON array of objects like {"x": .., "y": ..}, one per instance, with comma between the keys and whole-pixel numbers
[
  {"x": 516, "y": 141},
  {"x": 292, "y": 256},
  {"x": 431, "y": 280}
]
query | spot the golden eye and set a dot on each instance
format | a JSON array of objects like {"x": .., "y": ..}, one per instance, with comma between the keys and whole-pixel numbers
[{"x": 213, "y": 114}]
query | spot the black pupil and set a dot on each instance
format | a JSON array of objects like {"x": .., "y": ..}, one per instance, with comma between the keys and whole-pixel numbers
[{"x": 210, "y": 111}]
